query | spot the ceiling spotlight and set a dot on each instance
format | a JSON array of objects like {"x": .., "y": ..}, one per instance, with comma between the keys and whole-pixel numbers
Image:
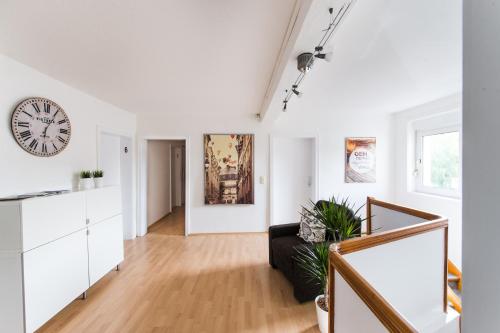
[
  {"x": 295, "y": 91},
  {"x": 320, "y": 55},
  {"x": 325, "y": 56},
  {"x": 305, "y": 62}
]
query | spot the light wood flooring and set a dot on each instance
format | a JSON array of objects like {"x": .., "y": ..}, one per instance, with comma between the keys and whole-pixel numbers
[
  {"x": 204, "y": 283},
  {"x": 172, "y": 224}
]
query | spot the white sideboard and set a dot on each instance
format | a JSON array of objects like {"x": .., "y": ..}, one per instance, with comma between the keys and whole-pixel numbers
[{"x": 52, "y": 249}]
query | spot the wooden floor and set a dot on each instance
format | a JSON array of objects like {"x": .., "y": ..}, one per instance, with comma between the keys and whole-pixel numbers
[
  {"x": 172, "y": 224},
  {"x": 208, "y": 283}
]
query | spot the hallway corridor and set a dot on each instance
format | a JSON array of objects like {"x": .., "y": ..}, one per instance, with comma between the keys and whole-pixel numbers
[{"x": 171, "y": 225}]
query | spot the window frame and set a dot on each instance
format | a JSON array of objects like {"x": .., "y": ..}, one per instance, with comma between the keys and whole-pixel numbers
[{"x": 419, "y": 153}]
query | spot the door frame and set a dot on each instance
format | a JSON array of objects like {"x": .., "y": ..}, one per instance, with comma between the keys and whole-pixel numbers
[
  {"x": 142, "y": 222},
  {"x": 129, "y": 135},
  {"x": 272, "y": 139}
]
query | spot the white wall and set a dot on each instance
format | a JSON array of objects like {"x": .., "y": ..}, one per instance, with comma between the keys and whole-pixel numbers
[
  {"x": 159, "y": 180},
  {"x": 404, "y": 165},
  {"x": 293, "y": 167},
  {"x": 331, "y": 131},
  {"x": 26, "y": 173},
  {"x": 481, "y": 185}
]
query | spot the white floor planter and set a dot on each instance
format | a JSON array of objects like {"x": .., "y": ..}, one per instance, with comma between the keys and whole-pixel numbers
[
  {"x": 322, "y": 316},
  {"x": 98, "y": 182},
  {"x": 86, "y": 183}
]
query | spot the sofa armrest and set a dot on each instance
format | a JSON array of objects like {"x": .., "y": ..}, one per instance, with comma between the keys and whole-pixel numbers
[{"x": 281, "y": 230}]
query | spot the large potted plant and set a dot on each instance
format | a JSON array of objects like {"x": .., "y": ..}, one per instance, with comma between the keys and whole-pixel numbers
[{"x": 341, "y": 222}]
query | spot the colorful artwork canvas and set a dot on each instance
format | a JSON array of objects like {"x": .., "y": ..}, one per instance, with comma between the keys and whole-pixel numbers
[{"x": 229, "y": 174}]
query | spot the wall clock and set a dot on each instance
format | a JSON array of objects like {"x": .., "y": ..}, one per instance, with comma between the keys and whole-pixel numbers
[{"x": 41, "y": 127}]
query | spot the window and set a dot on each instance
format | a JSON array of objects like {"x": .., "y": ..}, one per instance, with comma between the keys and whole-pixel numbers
[{"x": 438, "y": 161}]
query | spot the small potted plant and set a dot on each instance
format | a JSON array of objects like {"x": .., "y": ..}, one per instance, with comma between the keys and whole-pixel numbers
[
  {"x": 85, "y": 180},
  {"x": 341, "y": 222},
  {"x": 98, "y": 178}
]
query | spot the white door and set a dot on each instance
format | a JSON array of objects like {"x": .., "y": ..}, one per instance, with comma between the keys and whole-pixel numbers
[
  {"x": 293, "y": 182},
  {"x": 177, "y": 176},
  {"x": 105, "y": 245},
  {"x": 109, "y": 158},
  {"x": 126, "y": 175}
]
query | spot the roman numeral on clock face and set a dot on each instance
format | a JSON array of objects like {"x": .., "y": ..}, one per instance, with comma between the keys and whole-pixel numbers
[
  {"x": 23, "y": 124},
  {"x": 25, "y": 135},
  {"x": 36, "y": 107},
  {"x": 60, "y": 139},
  {"x": 46, "y": 107},
  {"x": 61, "y": 121},
  {"x": 44, "y": 148},
  {"x": 63, "y": 131},
  {"x": 29, "y": 114},
  {"x": 34, "y": 144}
]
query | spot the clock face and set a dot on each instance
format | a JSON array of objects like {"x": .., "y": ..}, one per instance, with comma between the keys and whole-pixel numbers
[{"x": 41, "y": 127}]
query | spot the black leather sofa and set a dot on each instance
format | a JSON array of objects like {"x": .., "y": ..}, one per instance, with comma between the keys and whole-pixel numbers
[{"x": 283, "y": 240}]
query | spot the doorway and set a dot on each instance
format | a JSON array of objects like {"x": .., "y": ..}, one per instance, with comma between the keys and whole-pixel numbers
[
  {"x": 294, "y": 180},
  {"x": 166, "y": 187},
  {"x": 115, "y": 158}
]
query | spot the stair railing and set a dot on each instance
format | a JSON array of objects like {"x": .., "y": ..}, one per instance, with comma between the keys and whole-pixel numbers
[{"x": 418, "y": 223}]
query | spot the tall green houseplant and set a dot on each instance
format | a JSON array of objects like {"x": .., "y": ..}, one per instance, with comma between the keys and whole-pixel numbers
[{"x": 341, "y": 222}]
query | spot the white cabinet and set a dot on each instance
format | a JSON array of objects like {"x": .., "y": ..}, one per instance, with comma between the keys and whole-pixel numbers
[
  {"x": 49, "y": 218},
  {"x": 105, "y": 241},
  {"x": 52, "y": 249},
  {"x": 103, "y": 203},
  {"x": 54, "y": 275}
]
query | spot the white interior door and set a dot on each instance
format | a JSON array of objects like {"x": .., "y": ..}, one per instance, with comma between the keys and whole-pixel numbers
[
  {"x": 126, "y": 180},
  {"x": 293, "y": 179},
  {"x": 177, "y": 176},
  {"x": 109, "y": 158}
]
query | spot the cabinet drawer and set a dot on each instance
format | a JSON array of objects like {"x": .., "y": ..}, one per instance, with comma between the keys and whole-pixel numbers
[
  {"x": 54, "y": 275},
  {"x": 49, "y": 218},
  {"x": 103, "y": 203},
  {"x": 105, "y": 242}
]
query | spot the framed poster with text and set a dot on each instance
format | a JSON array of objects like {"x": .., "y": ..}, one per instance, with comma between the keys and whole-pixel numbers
[{"x": 360, "y": 160}]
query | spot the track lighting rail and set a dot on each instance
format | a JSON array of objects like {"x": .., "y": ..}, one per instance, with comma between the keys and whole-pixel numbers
[{"x": 306, "y": 60}]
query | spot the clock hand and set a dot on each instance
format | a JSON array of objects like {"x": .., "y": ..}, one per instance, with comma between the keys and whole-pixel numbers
[{"x": 53, "y": 118}]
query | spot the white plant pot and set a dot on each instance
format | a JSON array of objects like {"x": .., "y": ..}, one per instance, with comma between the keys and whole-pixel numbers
[
  {"x": 99, "y": 182},
  {"x": 322, "y": 316},
  {"x": 86, "y": 183}
]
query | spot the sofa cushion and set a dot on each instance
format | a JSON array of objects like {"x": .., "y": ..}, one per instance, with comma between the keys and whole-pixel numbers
[
  {"x": 311, "y": 230},
  {"x": 284, "y": 253}
]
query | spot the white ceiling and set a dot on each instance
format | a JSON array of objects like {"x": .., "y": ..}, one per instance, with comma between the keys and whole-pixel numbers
[
  {"x": 189, "y": 56},
  {"x": 216, "y": 57},
  {"x": 389, "y": 55}
]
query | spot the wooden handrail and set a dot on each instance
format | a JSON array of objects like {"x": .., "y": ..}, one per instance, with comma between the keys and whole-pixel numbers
[
  {"x": 361, "y": 243},
  {"x": 399, "y": 208},
  {"x": 387, "y": 315}
]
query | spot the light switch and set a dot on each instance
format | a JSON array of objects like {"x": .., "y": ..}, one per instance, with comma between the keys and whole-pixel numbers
[{"x": 261, "y": 179}]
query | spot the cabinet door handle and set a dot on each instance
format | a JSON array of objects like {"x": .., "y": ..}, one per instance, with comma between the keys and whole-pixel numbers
[{"x": 87, "y": 221}]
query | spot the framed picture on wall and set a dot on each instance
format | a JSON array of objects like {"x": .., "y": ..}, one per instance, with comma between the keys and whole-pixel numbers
[
  {"x": 360, "y": 160},
  {"x": 229, "y": 169}
]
